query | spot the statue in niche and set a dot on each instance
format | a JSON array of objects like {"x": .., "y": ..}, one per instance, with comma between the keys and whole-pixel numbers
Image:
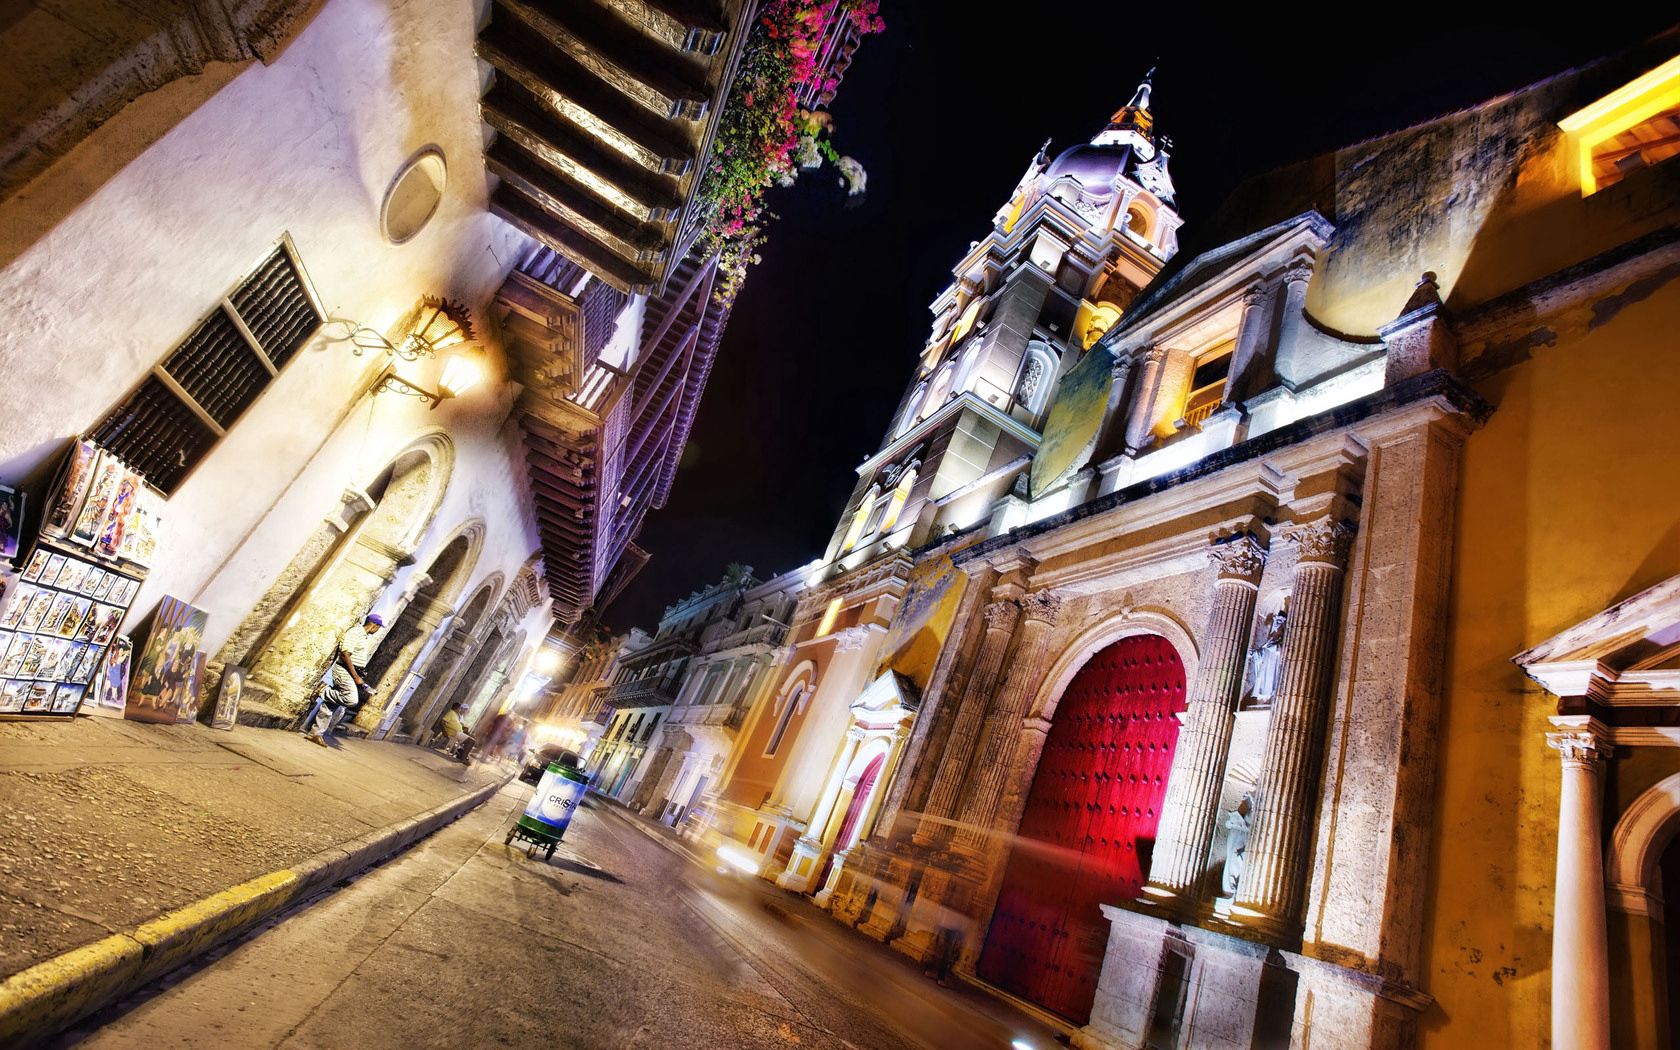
[
  {"x": 1264, "y": 663},
  {"x": 1236, "y": 845}
]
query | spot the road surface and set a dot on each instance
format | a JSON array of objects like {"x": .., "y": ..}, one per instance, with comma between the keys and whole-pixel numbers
[{"x": 619, "y": 941}]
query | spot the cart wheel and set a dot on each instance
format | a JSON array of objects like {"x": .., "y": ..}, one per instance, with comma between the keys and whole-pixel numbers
[
  {"x": 550, "y": 854},
  {"x": 509, "y": 840},
  {"x": 531, "y": 854}
]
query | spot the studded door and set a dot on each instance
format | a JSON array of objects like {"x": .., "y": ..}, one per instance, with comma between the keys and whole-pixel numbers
[{"x": 1088, "y": 826}]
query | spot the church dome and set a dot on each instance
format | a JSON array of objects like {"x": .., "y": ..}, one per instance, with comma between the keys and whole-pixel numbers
[{"x": 1092, "y": 166}]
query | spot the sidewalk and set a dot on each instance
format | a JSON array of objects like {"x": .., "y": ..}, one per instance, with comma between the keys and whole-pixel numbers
[{"x": 110, "y": 823}]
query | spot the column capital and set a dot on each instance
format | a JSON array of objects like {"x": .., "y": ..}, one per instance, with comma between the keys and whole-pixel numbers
[
  {"x": 1254, "y": 295},
  {"x": 1155, "y": 355},
  {"x": 1325, "y": 541},
  {"x": 1044, "y": 606},
  {"x": 1000, "y": 615},
  {"x": 1242, "y": 557},
  {"x": 1581, "y": 742},
  {"x": 1298, "y": 272}
]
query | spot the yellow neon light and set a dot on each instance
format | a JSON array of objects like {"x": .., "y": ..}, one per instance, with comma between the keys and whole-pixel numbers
[{"x": 1631, "y": 104}]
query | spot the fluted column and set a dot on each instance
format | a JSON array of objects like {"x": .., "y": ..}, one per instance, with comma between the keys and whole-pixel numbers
[
  {"x": 1272, "y": 888},
  {"x": 1580, "y": 950},
  {"x": 1001, "y": 617},
  {"x": 1140, "y": 424},
  {"x": 1191, "y": 809},
  {"x": 1252, "y": 331},
  {"x": 992, "y": 767}
]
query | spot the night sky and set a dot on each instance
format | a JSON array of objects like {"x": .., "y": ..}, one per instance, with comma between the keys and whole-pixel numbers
[{"x": 945, "y": 112}]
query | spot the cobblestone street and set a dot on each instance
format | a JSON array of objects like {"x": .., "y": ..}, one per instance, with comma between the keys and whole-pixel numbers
[{"x": 618, "y": 942}]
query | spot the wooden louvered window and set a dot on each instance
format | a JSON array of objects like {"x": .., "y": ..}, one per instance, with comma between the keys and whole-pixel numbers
[{"x": 201, "y": 388}]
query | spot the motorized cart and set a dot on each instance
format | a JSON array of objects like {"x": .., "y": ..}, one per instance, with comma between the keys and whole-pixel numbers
[{"x": 543, "y": 824}]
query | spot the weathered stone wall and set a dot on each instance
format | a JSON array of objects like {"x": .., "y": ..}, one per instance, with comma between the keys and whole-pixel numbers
[
  {"x": 305, "y": 146},
  {"x": 1570, "y": 502}
]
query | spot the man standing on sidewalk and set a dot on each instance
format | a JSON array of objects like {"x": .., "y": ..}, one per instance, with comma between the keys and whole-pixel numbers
[{"x": 345, "y": 688}]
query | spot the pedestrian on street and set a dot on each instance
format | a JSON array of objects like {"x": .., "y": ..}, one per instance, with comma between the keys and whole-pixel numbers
[
  {"x": 455, "y": 738},
  {"x": 345, "y": 688}
]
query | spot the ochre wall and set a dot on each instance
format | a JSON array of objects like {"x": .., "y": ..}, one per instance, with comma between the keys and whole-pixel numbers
[{"x": 1570, "y": 502}]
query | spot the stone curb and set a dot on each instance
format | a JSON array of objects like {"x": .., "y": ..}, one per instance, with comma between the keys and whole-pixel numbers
[{"x": 54, "y": 994}]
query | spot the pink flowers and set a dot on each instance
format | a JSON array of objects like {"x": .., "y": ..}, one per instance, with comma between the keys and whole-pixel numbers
[{"x": 764, "y": 137}]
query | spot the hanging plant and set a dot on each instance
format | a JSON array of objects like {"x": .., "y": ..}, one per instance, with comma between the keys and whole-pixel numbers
[{"x": 764, "y": 137}]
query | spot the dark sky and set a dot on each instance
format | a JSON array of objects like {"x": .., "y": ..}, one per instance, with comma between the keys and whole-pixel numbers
[{"x": 945, "y": 111}]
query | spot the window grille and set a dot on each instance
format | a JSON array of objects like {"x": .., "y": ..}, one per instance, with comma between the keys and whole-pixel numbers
[{"x": 190, "y": 399}]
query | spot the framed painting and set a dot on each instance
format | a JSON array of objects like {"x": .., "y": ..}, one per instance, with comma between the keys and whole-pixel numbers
[{"x": 163, "y": 674}]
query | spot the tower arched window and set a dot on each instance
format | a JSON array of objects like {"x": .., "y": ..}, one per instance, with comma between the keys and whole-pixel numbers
[
  {"x": 912, "y": 410},
  {"x": 940, "y": 390},
  {"x": 860, "y": 518},
  {"x": 1032, "y": 386},
  {"x": 783, "y": 717},
  {"x": 900, "y": 496}
]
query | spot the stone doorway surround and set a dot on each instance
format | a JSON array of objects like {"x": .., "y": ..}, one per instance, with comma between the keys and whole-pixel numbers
[{"x": 286, "y": 640}]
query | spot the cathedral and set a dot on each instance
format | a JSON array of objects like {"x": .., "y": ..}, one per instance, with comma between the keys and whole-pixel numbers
[{"x": 1270, "y": 640}]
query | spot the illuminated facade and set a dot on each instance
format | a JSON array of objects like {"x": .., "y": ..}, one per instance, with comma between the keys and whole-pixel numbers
[
  {"x": 1078, "y": 237},
  {"x": 1297, "y": 672}
]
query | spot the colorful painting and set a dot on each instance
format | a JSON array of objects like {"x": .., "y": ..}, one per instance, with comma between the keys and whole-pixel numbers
[
  {"x": 227, "y": 700},
  {"x": 110, "y": 618},
  {"x": 11, "y": 697},
  {"x": 39, "y": 697},
  {"x": 66, "y": 699},
  {"x": 91, "y": 581},
  {"x": 106, "y": 479},
  {"x": 65, "y": 499},
  {"x": 36, "y": 611},
  {"x": 37, "y": 564},
  {"x": 112, "y": 688},
  {"x": 192, "y": 696},
  {"x": 11, "y": 665},
  {"x": 124, "y": 508},
  {"x": 139, "y": 541},
  {"x": 166, "y": 670},
  {"x": 11, "y": 521},
  {"x": 1076, "y": 418}
]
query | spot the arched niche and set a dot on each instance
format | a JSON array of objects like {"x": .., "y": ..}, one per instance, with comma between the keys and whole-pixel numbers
[
  {"x": 444, "y": 666},
  {"x": 420, "y": 615},
  {"x": 288, "y": 639}
]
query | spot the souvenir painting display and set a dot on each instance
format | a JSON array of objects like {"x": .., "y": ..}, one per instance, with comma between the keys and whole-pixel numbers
[
  {"x": 64, "y": 503},
  {"x": 164, "y": 672},
  {"x": 111, "y": 687},
  {"x": 226, "y": 712},
  {"x": 11, "y": 522},
  {"x": 58, "y": 622}
]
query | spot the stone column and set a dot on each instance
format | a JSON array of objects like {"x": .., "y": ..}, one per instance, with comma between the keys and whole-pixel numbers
[
  {"x": 1191, "y": 807},
  {"x": 1001, "y": 617},
  {"x": 1248, "y": 355},
  {"x": 992, "y": 767},
  {"x": 1272, "y": 889},
  {"x": 1580, "y": 950},
  {"x": 1140, "y": 423},
  {"x": 1292, "y": 322}
]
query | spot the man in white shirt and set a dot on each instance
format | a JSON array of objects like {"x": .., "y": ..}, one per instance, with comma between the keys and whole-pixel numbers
[{"x": 345, "y": 688}]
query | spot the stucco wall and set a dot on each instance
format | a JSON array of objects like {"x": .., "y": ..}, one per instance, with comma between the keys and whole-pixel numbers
[
  {"x": 307, "y": 146},
  {"x": 1570, "y": 502}
]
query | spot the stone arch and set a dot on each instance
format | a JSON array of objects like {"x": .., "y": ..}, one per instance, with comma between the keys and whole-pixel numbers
[
  {"x": 1125, "y": 624},
  {"x": 1644, "y": 830},
  {"x": 448, "y": 659},
  {"x": 341, "y": 571},
  {"x": 1088, "y": 822},
  {"x": 421, "y": 613}
]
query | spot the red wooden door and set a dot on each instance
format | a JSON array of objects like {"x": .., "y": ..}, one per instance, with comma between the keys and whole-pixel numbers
[{"x": 1088, "y": 826}]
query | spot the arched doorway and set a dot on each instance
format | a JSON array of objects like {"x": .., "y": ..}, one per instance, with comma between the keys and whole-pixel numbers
[
  {"x": 418, "y": 619},
  {"x": 333, "y": 581},
  {"x": 445, "y": 663},
  {"x": 1088, "y": 826}
]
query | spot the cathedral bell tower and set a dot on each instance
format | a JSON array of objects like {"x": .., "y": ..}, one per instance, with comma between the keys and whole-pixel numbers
[{"x": 1065, "y": 256}]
